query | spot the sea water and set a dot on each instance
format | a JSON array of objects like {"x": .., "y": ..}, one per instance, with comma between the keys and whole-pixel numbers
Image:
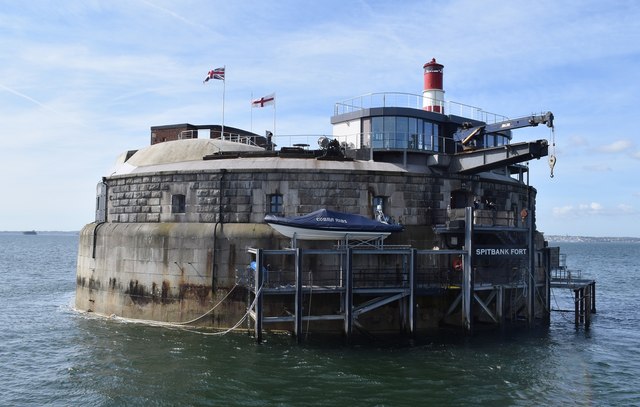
[{"x": 51, "y": 355}]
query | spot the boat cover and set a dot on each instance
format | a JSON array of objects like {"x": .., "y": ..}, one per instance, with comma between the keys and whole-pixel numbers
[{"x": 325, "y": 219}]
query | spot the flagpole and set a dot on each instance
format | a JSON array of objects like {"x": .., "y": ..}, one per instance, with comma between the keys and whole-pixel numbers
[
  {"x": 224, "y": 86},
  {"x": 251, "y": 107},
  {"x": 274, "y": 115}
]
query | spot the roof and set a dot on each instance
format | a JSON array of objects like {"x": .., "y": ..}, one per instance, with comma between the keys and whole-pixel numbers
[{"x": 187, "y": 155}]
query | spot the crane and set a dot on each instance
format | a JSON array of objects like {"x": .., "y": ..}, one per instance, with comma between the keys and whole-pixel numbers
[{"x": 468, "y": 132}]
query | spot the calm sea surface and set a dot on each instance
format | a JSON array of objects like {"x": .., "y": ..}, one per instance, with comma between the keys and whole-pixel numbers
[{"x": 52, "y": 355}]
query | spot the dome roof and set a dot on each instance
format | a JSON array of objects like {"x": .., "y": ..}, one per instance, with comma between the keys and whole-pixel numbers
[
  {"x": 184, "y": 150},
  {"x": 176, "y": 151},
  {"x": 187, "y": 155}
]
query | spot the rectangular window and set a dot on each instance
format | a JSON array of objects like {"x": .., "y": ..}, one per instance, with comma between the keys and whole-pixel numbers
[
  {"x": 366, "y": 132},
  {"x": 413, "y": 133},
  {"x": 436, "y": 138},
  {"x": 377, "y": 132},
  {"x": 402, "y": 132},
  {"x": 428, "y": 135},
  {"x": 275, "y": 204},
  {"x": 389, "y": 129},
  {"x": 378, "y": 204},
  {"x": 178, "y": 203}
]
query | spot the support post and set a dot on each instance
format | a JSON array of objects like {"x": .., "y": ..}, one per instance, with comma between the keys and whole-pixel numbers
[
  {"x": 259, "y": 277},
  {"x": 500, "y": 304},
  {"x": 531, "y": 297},
  {"x": 297, "y": 329},
  {"x": 412, "y": 292},
  {"x": 593, "y": 297},
  {"x": 577, "y": 306},
  {"x": 348, "y": 293},
  {"x": 547, "y": 273},
  {"x": 587, "y": 307},
  {"x": 582, "y": 304},
  {"x": 467, "y": 275}
]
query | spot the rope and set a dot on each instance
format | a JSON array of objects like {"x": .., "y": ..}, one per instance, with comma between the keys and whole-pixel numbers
[
  {"x": 555, "y": 299},
  {"x": 211, "y": 310},
  {"x": 182, "y": 325},
  {"x": 237, "y": 324}
]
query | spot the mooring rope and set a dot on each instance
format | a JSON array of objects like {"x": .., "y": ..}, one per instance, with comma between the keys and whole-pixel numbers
[
  {"x": 211, "y": 310},
  {"x": 183, "y": 325}
]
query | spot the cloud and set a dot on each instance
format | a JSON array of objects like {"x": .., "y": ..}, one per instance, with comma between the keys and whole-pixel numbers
[
  {"x": 627, "y": 209},
  {"x": 563, "y": 211},
  {"x": 581, "y": 210},
  {"x": 185, "y": 20},
  {"x": 597, "y": 167},
  {"x": 593, "y": 209},
  {"x": 578, "y": 141},
  {"x": 616, "y": 147}
]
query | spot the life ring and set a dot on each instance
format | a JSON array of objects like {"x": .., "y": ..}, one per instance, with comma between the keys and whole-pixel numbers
[
  {"x": 524, "y": 213},
  {"x": 457, "y": 264}
]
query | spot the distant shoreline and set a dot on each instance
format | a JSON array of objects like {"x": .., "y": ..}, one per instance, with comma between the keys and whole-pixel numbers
[
  {"x": 590, "y": 239},
  {"x": 550, "y": 238},
  {"x": 38, "y": 232}
]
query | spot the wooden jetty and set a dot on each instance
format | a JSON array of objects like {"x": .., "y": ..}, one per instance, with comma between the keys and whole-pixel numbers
[{"x": 584, "y": 290}]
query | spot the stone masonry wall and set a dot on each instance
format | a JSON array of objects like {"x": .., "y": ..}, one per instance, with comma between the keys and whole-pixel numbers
[{"x": 242, "y": 196}]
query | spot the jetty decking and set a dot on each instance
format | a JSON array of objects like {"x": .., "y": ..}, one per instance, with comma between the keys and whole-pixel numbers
[{"x": 584, "y": 291}]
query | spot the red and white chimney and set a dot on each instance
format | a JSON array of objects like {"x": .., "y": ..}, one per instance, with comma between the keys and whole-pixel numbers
[{"x": 433, "y": 93}]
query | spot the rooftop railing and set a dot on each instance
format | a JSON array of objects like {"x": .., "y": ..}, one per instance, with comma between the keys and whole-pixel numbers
[
  {"x": 413, "y": 101},
  {"x": 377, "y": 140}
]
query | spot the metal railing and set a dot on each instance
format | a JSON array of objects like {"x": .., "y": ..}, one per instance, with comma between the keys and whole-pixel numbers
[
  {"x": 433, "y": 268},
  {"x": 413, "y": 101},
  {"x": 378, "y": 140},
  {"x": 187, "y": 134},
  {"x": 237, "y": 138}
]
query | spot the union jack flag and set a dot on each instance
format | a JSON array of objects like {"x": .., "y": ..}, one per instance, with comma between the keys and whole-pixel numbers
[{"x": 217, "y": 73}]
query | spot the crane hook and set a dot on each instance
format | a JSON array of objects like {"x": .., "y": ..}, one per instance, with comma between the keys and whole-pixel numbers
[{"x": 552, "y": 163}]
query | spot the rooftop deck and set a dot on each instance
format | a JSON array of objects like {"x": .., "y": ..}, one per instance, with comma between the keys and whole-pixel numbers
[{"x": 413, "y": 101}]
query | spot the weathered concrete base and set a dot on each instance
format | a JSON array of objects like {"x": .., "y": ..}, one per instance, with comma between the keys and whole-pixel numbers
[
  {"x": 163, "y": 271},
  {"x": 176, "y": 272}
]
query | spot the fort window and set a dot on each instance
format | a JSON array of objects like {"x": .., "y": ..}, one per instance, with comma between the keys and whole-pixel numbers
[
  {"x": 378, "y": 204},
  {"x": 178, "y": 203},
  {"x": 275, "y": 204},
  {"x": 101, "y": 202}
]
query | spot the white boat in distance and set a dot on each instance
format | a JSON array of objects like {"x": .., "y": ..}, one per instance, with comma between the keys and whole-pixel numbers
[{"x": 325, "y": 224}]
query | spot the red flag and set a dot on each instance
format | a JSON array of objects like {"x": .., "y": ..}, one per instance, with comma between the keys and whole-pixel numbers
[
  {"x": 264, "y": 101},
  {"x": 217, "y": 73}
]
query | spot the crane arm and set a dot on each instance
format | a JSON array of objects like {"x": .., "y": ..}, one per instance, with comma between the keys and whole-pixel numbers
[{"x": 466, "y": 135}]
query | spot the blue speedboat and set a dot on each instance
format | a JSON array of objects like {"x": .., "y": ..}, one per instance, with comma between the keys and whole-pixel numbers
[{"x": 325, "y": 224}]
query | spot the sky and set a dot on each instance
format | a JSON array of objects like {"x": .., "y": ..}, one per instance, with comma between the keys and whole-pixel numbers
[{"x": 83, "y": 81}]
